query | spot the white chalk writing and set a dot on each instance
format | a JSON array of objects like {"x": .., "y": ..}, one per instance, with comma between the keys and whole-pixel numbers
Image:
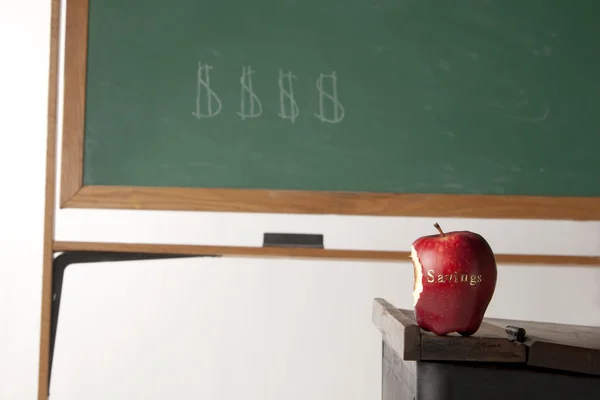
[
  {"x": 208, "y": 103},
  {"x": 337, "y": 108},
  {"x": 253, "y": 108},
  {"x": 287, "y": 109},
  {"x": 203, "y": 89}
]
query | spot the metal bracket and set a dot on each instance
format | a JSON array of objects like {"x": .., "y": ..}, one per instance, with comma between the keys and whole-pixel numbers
[{"x": 62, "y": 261}]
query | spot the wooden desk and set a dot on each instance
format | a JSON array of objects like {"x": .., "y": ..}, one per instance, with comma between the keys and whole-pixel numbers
[{"x": 554, "y": 362}]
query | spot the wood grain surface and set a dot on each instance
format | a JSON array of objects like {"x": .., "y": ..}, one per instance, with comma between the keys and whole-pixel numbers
[
  {"x": 396, "y": 256},
  {"x": 75, "y": 64},
  {"x": 307, "y": 202},
  {"x": 49, "y": 206},
  {"x": 571, "y": 348},
  {"x": 401, "y": 333},
  {"x": 574, "y": 348}
]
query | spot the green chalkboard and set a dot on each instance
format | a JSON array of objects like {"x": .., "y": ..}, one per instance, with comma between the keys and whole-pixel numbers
[{"x": 397, "y": 96}]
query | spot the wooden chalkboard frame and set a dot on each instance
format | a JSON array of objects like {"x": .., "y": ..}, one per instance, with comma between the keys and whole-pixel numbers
[{"x": 73, "y": 194}]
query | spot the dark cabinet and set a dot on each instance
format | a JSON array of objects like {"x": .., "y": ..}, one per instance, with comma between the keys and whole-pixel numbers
[{"x": 552, "y": 361}]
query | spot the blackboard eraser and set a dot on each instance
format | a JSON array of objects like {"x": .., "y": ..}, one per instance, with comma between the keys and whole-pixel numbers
[{"x": 299, "y": 240}]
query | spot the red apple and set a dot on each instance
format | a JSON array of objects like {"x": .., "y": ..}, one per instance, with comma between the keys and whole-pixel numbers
[{"x": 455, "y": 279}]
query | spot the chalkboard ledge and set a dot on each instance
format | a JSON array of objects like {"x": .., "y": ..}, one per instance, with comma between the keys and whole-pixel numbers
[{"x": 306, "y": 252}]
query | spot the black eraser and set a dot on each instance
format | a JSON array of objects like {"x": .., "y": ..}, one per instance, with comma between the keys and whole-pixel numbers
[{"x": 303, "y": 240}]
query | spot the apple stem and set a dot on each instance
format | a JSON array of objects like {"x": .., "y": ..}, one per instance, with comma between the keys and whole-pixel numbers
[{"x": 437, "y": 226}]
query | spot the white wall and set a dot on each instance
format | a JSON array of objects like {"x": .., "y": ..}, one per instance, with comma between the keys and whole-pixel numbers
[
  {"x": 278, "y": 326},
  {"x": 23, "y": 83}
]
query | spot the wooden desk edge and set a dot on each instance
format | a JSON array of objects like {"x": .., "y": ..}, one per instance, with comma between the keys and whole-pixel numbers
[
  {"x": 405, "y": 337},
  {"x": 472, "y": 349},
  {"x": 398, "y": 330},
  {"x": 564, "y": 358}
]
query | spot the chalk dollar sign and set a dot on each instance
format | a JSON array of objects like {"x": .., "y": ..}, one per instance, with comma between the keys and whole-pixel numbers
[
  {"x": 205, "y": 93},
  {"x": 337, "y": 108},
  {"x": 287, "y": 109},
  {"x": 253, "y": 108}
]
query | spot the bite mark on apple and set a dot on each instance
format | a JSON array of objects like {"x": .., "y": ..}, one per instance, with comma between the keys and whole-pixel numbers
[{"x": 418, "y": 286}]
